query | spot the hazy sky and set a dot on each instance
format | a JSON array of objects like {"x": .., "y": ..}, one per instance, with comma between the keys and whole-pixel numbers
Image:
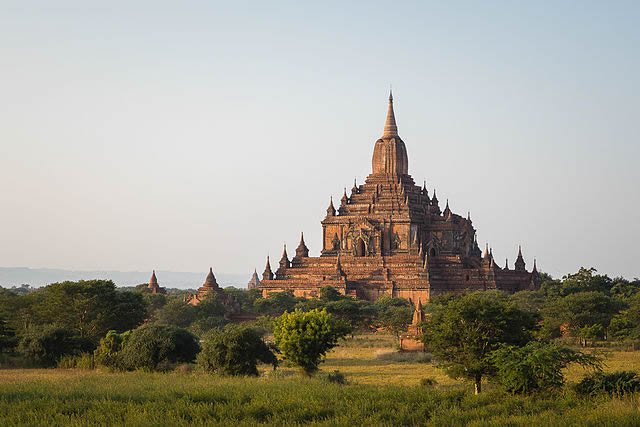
[{"x": 183, "y": 135}]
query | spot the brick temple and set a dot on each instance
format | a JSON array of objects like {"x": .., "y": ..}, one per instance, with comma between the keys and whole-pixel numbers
[{"x": 389, "y": 237}]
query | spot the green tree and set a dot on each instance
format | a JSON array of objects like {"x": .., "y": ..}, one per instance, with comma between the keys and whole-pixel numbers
[
  {"x": 90, "y": 307},
  {"x": 304, "y": 338},
  {"x": 393, "y": 314},
  {"x": 276, "y": 304},
  {"x": 616, "y": 383},
  {"x": 236, "y": 350},
  {"x": 45, "y": 345},
  {"x": 626, "y": 324},
  {"x": 578, "y": 310},
  {"x": 536, "y": 366},
  {"x": 8, "y": 338},
  {"x": 157, "y": 347},
  {"x": 177, "y": 313},
  {"x": 462, "y": 332},
  {"x": 108, "y": 351},
  {"x": 329, "y": 293}
]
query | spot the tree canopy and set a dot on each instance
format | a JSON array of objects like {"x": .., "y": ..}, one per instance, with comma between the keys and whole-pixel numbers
[{"x": 462, "y": 332}]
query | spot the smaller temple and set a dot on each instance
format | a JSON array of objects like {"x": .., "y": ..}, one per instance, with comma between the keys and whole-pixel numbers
[
  {"x": 153, "y": 286},
  {"x": 254, "y": 282},
  {"x": 208, "y": 287},
  {"x": 410, "y": 341}
]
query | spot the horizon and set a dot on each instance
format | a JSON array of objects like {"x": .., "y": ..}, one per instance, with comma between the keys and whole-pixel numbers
[{"x": 208, "y": 136}]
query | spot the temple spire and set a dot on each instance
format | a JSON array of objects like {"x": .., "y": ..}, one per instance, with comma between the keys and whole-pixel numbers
[
  {"x": 268, "y": 273},
  {"x": 302, "y": 251},
  {"x": 331, "y": 210},
  {"x": 520, "y": 264},
  {"x": 210, "y": 281},
  {"x": 390, "y": 127},
  {"x": 284, "y": 260},
  {"x": 153, "y": 281}
]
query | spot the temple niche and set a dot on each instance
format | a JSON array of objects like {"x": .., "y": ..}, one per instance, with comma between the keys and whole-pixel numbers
[{"x": 389, "y": 236}]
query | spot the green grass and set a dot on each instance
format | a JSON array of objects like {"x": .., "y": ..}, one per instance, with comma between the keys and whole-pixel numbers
[{"x": 380, "y": 392}]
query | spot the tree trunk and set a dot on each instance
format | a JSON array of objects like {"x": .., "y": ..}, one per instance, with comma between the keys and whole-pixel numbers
[{"x": 478, "y": 384}]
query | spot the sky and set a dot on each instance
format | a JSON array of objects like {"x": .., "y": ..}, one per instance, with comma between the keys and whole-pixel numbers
[{"x": 182, "y": 135}]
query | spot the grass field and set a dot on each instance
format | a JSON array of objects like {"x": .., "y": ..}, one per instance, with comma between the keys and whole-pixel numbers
[{"x": 382, "y": 391}]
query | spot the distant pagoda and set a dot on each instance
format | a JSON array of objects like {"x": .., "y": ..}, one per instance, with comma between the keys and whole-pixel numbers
[
  {"x": 210, "y": 286},
  {"x": 153, "y": 286},
  {"x": 389, "y": 237}
]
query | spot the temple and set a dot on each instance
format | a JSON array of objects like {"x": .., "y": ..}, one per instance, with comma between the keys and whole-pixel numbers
[
  {"x": 153, "y": 286},
  {"x": 210, "y": 286},
  {"x": 390, "y": 237}
]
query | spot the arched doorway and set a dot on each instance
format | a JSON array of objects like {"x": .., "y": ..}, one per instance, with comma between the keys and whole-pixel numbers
[
  {"x": 361, "y": 249},
  {"x": 432, "y": 252}
]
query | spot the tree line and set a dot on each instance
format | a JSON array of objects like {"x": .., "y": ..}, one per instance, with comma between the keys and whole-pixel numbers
[{"x": 516, "y": 339}]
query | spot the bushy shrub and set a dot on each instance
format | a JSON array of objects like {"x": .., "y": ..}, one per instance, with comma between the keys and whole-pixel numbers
[
  {"x": 337, "y": 377},
  {"x": 536, "y": 366},
  {"x": 616, "y": 383},
  {"x": 428, "y": 382},
  {"x": 236, "y": 350},
  {"x": 82, "y": 361},
  {"x": 44, "y": 346},
  {"x": 158, "y": 347},
  {"x": 108, "y": 351},
  {"x": 304, "y": 338}
]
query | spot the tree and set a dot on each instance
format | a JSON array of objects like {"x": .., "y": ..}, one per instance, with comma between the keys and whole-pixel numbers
[
  {"x": 156, "y": 347},
  {"x": 626, "y": 324},
  {"x": 177, "y": 313},
  {"x": 616, "y": 383},
  {"x": 578, "y": 310},
  {"x": 90, "y": 307},
  {"x": 304, "y": 338},
  {"x": 236, "y": 350},
  {"x": 108, "y": 351},
  {"x": 536, "y": 366},
  {"x": 393, "y": 314},
  {"x": 462, "y": 332},
  {"x": 45, "y": 345},
  {"x": 7, "y": 336},
  {"x": 277, "y": 303},
  {"x": 329, "y": 293}
]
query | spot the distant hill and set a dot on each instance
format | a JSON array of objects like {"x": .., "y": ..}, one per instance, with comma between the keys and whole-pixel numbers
[{"x": 16, "y": 276}]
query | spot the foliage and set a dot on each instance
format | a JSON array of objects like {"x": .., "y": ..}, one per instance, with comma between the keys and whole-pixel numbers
[
  {"x": 393, "y": 314},
  {"x": 8, "y": 339},
  {"x": 337, "y": 377},
  {"x": 463, "y": 331},
  {"x": 236, "y": 350},
  {"x": 44, "y": 345},
  {"x": 276, "y": 304},
  {"x": 305, "y": 337},
  {"x": 428, "y": 382},
  {"x": 60, "y": 397},
  {"x": 107, "y": 353},
  {"x": 89, "y": 307},
  {"x": 615, "y": 383},
  {"x": 626, "y": 324},
  {"x": 536, "y": 366},
  {"x": 177, "y": 313},
  {"x": 157, "y": 347},
  {"x": 81, "y": 361},
  {"x": 578, "y": 310}
]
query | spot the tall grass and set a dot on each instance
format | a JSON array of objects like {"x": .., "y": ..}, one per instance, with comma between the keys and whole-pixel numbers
[{"x": 78, "y": 397}]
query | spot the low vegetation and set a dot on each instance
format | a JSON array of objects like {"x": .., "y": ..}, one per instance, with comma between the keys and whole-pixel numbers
[{"x": 549, "y": 357}]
